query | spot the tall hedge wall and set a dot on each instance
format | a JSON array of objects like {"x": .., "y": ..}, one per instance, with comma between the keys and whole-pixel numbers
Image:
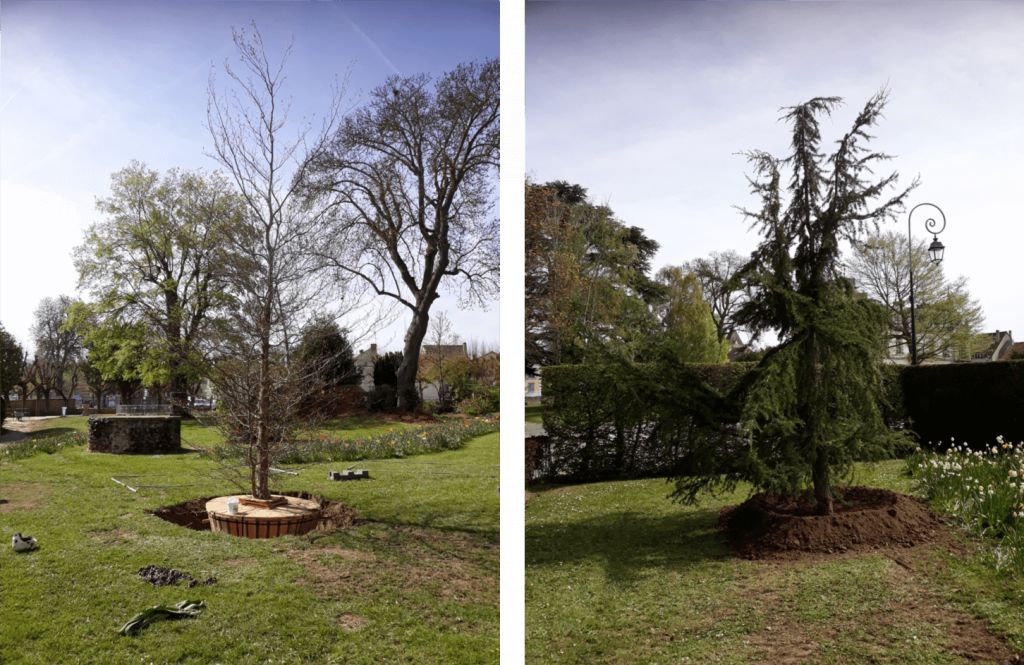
[
  {"x": 972, "y": 402},
  {"x": 629, "y": 421}
]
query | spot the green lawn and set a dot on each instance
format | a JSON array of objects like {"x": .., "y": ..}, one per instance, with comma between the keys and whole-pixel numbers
[
  {"x": 616, "y": 573},
  {"x": 417, "y": 583},
  {"x": 195, "y": 433},
  {"x": 535, "y": 414}
]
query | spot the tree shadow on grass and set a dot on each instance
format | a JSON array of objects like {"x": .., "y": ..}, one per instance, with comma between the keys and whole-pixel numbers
[{"x": 630, "y": 544}]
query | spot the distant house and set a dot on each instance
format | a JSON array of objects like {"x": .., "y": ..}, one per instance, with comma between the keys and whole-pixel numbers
[
  {"x": 364, "y": 365},
  {"x": 737, "y": 347},
  {"x": 997, "y": 345},
  {"x": 534, "y": 388},
  {"x": 1000, "y": 347}
]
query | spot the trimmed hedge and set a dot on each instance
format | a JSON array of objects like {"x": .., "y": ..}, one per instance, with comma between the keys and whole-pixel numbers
[
  {"x": 631, "y": 421},
  {"x": 971, "y": 402}
]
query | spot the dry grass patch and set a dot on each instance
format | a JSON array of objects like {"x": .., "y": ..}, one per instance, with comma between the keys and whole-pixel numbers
[
  {"x": 446, "y": 563},
  {"x": 23, "y": 496},
  {"x": 906, "y": 608},
  {"x": 350, "y": 623},
  {"x": 112, "y": 536}
]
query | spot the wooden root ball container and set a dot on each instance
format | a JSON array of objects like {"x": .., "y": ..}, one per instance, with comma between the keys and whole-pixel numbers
[{"x": 291, "y": 516}]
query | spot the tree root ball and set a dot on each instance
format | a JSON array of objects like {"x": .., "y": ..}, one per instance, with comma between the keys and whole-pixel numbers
[{"x": 865, "y": 518}]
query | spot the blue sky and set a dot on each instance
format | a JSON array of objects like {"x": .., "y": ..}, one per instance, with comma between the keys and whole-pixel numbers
[
  {"x": 85, "y": 87},
  {"x": 647, "y": 103}
]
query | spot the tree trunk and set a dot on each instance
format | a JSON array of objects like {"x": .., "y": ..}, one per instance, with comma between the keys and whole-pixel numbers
[
  {"x": 408, "y": 398},
  {"x": 261, "y": 488},
  {"x": 177, "y": 384}
]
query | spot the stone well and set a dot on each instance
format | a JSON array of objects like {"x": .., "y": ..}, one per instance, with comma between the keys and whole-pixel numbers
[{"x": 135, "y": 434}]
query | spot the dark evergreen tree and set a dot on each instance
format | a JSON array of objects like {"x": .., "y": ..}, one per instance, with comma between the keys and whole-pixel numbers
[
  {"x": 384, "y": 396},
  {"x": 326, "y": 352},
  {"x": 11, "y": 355},
  {"x": 812, "y": 406}
]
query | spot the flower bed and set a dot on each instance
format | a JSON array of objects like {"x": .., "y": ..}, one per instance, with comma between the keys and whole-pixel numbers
[
  {"x": 982, "y": 489},
  {"x": 45, "y": 444},
  {"x": 450, "y": 434}
]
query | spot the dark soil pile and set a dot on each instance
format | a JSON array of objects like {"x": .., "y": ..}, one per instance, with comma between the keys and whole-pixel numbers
[
  {"x": 192, "y": 513},
  {"x": 864, "y": 518},
  {"x": 158, "y": 576}
]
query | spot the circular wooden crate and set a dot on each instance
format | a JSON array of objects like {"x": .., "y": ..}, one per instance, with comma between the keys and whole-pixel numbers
[{"x": 296, "y": 517}]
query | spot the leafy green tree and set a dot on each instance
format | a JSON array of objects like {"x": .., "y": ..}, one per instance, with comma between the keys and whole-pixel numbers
[
  {"x": 126, "y": 355},
  {"x": 690, "y": 334},
  {"x": 718, "y": 275},
  {"x": 812, "y": 406},
  {"x": 58, "y": 348},
  {"x": 11, "y": 355},
  {"x": 948, "y": 319},
  {"x": 157, "y": 258},
  {"x": 588, "y": 288}
]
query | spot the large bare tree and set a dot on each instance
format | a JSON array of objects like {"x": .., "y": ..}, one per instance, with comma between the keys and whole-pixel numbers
[{"x": 408, "y": 180}]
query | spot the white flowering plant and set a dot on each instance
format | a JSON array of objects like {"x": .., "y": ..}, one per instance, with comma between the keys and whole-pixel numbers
[{"x": 983, "y": 489}]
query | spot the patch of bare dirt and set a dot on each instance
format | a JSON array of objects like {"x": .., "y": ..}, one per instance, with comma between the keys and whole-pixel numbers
[
  {"x": 351, "y": 622},
  {"x": 865, "y": 518},
  {"x": 448, "y": 563},
  {"x": 240, "y": 563},
  {"x": 23, "y": 496},
  {"x": 192, "y": 513},
  {"x": 112, "y": 536}
]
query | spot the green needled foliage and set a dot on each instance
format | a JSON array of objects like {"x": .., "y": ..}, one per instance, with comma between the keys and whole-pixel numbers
[{"x": 812, "y": 406}]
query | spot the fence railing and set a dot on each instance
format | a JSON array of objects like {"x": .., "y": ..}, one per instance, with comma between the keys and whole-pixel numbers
[{"x": 144, "y": 410}]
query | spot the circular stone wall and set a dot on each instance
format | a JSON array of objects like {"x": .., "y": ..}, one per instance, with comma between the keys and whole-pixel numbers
[
  {"x": 135, "y": 434},
  {"x": 296, "y": 517}
]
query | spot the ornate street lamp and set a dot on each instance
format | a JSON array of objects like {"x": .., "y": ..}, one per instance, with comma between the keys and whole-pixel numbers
[{"x": 935, "y": 253}]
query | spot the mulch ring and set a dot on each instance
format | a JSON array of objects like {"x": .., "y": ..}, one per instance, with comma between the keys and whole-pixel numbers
[
  {"x": 192, "y": 513},
  {"x": 864, "y": 519}
]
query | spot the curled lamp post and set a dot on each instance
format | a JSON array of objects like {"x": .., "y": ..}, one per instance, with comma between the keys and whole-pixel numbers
[{"x": 935, "y": 253}]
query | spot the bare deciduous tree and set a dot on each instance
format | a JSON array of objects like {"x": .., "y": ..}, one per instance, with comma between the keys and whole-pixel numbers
[
  {"x": 272, "y": 276},
  {"x": 948, "y": 319},
  {"x": 409, "y": 180}
]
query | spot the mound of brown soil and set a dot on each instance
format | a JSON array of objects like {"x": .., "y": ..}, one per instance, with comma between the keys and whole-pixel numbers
[
  {"x": 864, "y": 518},
  {"x": 192, "y": 513}
]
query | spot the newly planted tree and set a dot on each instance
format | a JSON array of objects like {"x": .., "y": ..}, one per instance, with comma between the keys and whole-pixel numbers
[
  {"x": 812, "y": 406},
  {"x": 271, "y": 272}
]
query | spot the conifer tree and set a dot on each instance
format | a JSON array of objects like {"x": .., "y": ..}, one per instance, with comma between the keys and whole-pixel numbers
[{"x": 812, "y": 406}]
